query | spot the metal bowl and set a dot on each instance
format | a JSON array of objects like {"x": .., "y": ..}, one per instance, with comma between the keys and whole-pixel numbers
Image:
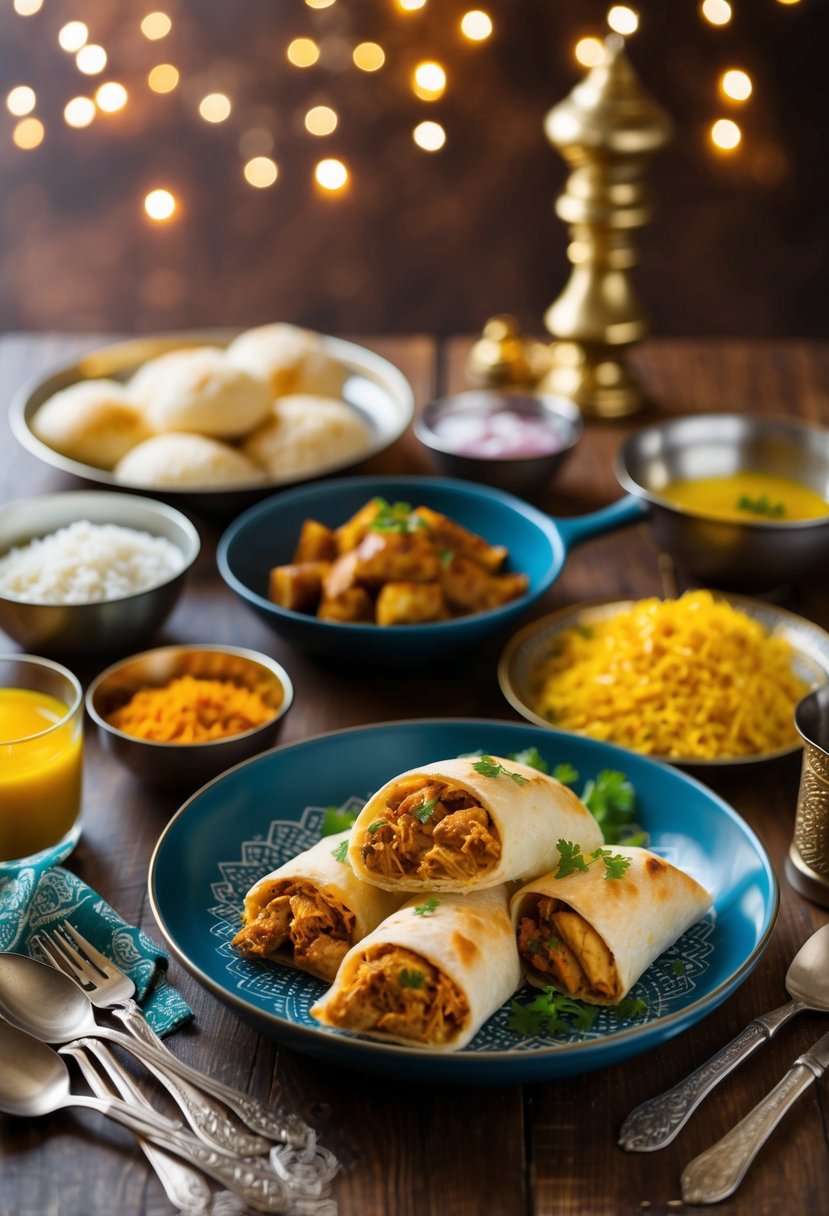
[
  {"x": 180, "y": 765},
  {"x": 376, "y": 389},
  {"x": 527, "y": 649},
  {"x": 106, "y": 627},
  {"x": 750, "y": 555},
  {"x": 515, "y": 474}
]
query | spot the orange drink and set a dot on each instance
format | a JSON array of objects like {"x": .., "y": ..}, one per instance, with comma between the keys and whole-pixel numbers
[{"x": 41, "y": 750}]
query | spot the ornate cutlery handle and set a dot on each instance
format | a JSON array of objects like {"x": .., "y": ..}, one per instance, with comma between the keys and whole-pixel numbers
[
  {"x": 208, "y": 1118},
  {"x": 285, "y": 1128},
  {"x": 717, "y": 1172},
  {"x": 258, "y": 1186},
  {"x": 659, "y": 1120},
  {"x": 184, "y": 1187}
]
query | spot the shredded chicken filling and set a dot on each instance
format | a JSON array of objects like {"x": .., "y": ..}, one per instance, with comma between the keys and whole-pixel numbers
[
  {"x": 559, "y": 942},
  {"x": 431, "y": 829},
  {"x": 397, "y": 992},
  {"x": 314, "y": 930}
]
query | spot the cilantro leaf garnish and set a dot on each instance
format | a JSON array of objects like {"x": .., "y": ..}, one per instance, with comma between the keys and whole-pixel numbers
[
  {"x": 572, "y": 860},
  {"x": 678, "y": 967},
  {"x": 553, "y": 1013},
  {"x": 761, "y": 505},
  {"x": 611, "y": 799},
  {"x": 566, "y": 774},
  {"x": 410, "y": 979},
  {"x": 375, "y": 827},
  {"x": 488, "y": 767},
  {"x": 341, "y": 851},
  {"x": 427, "y": 908},
  {"x": 396, "y": 517},
  {"x": 447, "y": 556},
  {"x": 424, "y": 811},
  {"x": 336, "y": 820},
  {"x": 532, "y": 757}
]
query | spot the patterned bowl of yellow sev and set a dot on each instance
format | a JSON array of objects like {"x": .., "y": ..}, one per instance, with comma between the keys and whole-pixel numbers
[
  {"x": 704, "y": 679},
  {"x": 178, "y": 716}
]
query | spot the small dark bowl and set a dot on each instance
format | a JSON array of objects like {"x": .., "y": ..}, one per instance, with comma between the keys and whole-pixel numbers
[
  {"x": 187, "y": 765},
  {"x": 515, "y": 474},
  {"x": 102, "y": 627}
]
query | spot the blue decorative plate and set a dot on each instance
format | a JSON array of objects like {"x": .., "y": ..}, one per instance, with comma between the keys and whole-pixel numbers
[{"x": 264, "y": 811}]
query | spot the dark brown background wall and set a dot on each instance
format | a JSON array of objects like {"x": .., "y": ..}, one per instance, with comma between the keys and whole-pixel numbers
[{"x": 419, "y": 241}]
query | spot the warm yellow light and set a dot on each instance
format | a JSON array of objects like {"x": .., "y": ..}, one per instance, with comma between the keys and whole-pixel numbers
[
  {"x": 718, "y": 12},
  {"x": 160, "y": 205},
  {"x": 319, "y": 3},
  {"x": 430, "y": 136},
  {"x": 27, "y": 8},
  {"x": 331, "y": 174},
  {"x": 155, "y": 26},
  {"x": 321, "y": 120},
  {"x": 411, "y": 6},
  {"x": 589, "y": 52},
  {"x": 111, "y": 97},
  {"x": 369, "y": 56},
  {"x": 429, "y": 81},
  {"x": 79, "y": 112},
  {"x": 303, "y": 52},
  {"x": 215, "y": 107},
  {"x": 736, "y": 84},
  {"x": 476, "y": 25},
  {"x": 261, "y": 172},
  {"x": 91, "y": 59},
  {"x": 163, "y": 78},
  {"x": 72, "y": 36},
  {"x": 28, "y": 133},
  {"x": 725, "y": 134},
  {"x": 623, "y": 20},
  {"x": 21, "y": 100},
  {"x": 780, "y": 2}
]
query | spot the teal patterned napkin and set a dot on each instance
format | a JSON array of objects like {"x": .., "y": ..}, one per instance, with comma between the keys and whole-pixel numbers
[{"x": 36, "y": 897}]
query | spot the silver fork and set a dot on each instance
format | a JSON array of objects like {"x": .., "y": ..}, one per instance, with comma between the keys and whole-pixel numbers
[{"x": 107, "y": 987}]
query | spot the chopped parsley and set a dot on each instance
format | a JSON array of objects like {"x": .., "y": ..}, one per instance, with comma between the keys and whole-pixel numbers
[
  {"x": 376, "y": 826},
  {"x": 566, "y": 774},
  {"x": 336, "y": 820},
  {"x": 678, "y": 967},
  {"x": 488, "y": 767},
  {"x": 447, "y": 556},
  {"x": 611, "y": 799},
  {"x": 572, "y": 860},
  {"x": 341, "y": 851},
  {"x": 428, "y": 908},
  {"x": 555, "y": 1014},
  {"x": 410, "y": 979},
  {"x": 761, "y": 506},
  {"x": 424, "y": 811}
]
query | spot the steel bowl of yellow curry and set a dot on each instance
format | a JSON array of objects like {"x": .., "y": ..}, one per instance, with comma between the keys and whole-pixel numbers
[{"x": 737, "y": 501}]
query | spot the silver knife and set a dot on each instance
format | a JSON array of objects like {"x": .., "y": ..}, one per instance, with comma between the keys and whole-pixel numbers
[{"x": 716, "y": 1173}]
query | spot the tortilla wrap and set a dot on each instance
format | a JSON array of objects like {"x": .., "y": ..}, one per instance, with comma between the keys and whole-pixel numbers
[
  {"x": 484, "y": 830},
  {"x": 431, "y": 974},
  {"x": 310, "y": 910},
  {"x": 592, "y": 935}
]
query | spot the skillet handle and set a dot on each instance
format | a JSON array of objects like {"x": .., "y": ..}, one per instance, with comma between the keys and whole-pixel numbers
[{"x": 620, "y": 514}]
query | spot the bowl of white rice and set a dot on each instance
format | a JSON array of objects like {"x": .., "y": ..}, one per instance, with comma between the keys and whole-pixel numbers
[{"x": 89, "y": 573}]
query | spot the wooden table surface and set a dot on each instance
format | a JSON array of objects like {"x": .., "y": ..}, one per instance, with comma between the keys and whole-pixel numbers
[{"x": 431, "y": 1151}]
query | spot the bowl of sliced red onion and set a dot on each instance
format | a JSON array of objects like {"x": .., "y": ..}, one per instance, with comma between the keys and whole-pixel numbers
[{"x": 513, "y": 441}]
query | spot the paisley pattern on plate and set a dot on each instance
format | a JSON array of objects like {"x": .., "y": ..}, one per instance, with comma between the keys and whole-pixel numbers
[
  {"x": 667, "y": 984},
  {"x": 252, "y": 818}
]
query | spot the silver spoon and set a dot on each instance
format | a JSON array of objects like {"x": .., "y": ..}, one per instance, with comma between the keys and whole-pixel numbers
[
  {"x": 656, "y": 1122},
  {"x": 34, "y": 1080},
  {"x": 48, "y": 1004}
]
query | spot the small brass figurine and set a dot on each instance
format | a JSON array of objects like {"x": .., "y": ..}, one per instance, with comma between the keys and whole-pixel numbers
[
  {"x": 503, "y": 358},
  {"x": 607, "y": 129}
]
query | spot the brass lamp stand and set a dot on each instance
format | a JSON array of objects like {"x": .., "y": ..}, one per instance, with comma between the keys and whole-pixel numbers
[{"x": 607, "y": 129}]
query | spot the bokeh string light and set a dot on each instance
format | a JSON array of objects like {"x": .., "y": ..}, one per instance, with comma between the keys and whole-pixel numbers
[
  {"x": 427, "y": 83},
  {"x": 734, "y": 85}
]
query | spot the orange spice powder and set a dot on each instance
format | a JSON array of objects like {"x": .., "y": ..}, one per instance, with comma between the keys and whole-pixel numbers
[{"x": 191, "y": 710}]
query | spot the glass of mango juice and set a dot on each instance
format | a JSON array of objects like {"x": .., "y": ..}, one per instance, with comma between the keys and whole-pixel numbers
[{"x": 41, "y": 759}]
